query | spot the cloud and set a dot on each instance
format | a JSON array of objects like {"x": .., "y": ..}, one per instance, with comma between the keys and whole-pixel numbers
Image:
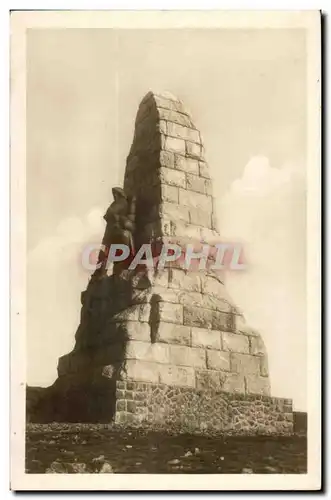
[
  {"x": 260, "y": 179},
  {"x": 265, "y": 210},
  {"x": 55, "y": 279}
]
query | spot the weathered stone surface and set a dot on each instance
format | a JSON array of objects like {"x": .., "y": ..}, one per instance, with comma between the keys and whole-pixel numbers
[
  {"x": 183, "y": 229},
  {"x": 198, "y": 317},
  {"x": 167, "y": 227},
  {"x": 198, "y": 200},
  {"x": 214, "y": 221},
  {"x": 157, "y": 229},
  {"x": 64, "y": 365},
  {"x": 163, "y": 127},
  {"x": 145, "y": 351},
  {"x": 257, "y": 385},
  {"x": 214, "y": 287},
  {"x": 202, "y": 337},
  {"x": 190, "y": 298},
  {"x": 102, "y": 356},
  {"x": 196, "y": 183},
  {"x": 232, "y": 382},
  {"x": 133, "y": 163},
  {"x": 109, "y": 371},
  {"x": 174, "y": 211},
  {"x": 171, "y": 104},
  {"x": 245, "y": 363},
  {"x": 183, "y": 280},
  {"x": 209, "y": 235},
  {"x": 242, "y": 326},
  {"x": 171, "y": 333},
  {"x": 199, "y": 217},
  {"x": 138, "y": 330},
  {"x": 145, "y": 132},
  {"x": 173, "y": 144},
  {"x": 206, "y": 318},
  {"x": 197, "y": 299},
  {"x": 171, "y": 313},
  {"x": 161, "y": 294},
  {"x": 264, "y": 368},
  {"x": 235, "y": 342},
  {"x": 204, "y": 169},
  {"x": 257, "y": 346},
  {"x": 106, "y": 468},
  {"x": 146, "y": 108},
  {"x": 163, "y": 95},
  {"x": 187, "y": 356},
  {"x": 159, "y": 277},
  {"x": 218, "y": 360},
  {"x": 222, "y": 321},
  {"x": 169, "y": 193},
  {"x": 121, "y": 405},
  {"x": 141, "y": 371},
  {"x": 182, "y": 132},
  {"x": 137, "y": 279},
  {"x": 209, "y": 188},
  {"x": 140, "y": 296},
  {"x": 177, "y": 375},
  {"x": 172, "y": 177},
  {"x": 185, "y": 164},
  {"x": 144, "y": 312},
  {"x": 167, "y": 159},
  {"x": 208, "y": 379},
  {"x": 174, "y": 116},
  {"x": 194, "y": 150},
  {"x": 131, "y": 313}
]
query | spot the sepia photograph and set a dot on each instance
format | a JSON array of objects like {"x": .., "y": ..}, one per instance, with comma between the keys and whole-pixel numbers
[{"x": 165, "y": 190}]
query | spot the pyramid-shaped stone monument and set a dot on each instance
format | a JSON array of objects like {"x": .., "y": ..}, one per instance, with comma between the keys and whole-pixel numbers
[{"x": 165, "y": 346}]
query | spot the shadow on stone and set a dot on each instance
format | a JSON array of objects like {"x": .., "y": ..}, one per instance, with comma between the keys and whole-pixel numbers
[{"x": 85, "y": 390}]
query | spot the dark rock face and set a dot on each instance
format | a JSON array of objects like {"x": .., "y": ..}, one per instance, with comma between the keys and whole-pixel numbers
[
  {"x": 74, "y": 398},
  {"x": 86, "y": 386}
]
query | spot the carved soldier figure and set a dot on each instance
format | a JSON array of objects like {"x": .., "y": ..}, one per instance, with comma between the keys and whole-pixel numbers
[{"x": 120, "y": 218}]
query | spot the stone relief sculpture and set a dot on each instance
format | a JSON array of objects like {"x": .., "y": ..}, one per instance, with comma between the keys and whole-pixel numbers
[{"x": 120, "y": 219}]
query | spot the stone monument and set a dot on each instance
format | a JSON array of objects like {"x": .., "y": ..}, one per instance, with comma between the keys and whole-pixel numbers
[{"x": 165, "y": 347}]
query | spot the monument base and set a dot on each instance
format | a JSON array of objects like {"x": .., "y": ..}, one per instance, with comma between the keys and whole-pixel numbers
[
  {"x": 159, "y": 406},
  {"x": 192, "y": 410}
]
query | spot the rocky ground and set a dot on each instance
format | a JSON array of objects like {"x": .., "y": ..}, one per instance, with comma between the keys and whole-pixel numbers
[{"x": 71, "y": 448}]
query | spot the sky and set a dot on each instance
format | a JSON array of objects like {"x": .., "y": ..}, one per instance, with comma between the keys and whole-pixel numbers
[{"x": 246, "y": 91}]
